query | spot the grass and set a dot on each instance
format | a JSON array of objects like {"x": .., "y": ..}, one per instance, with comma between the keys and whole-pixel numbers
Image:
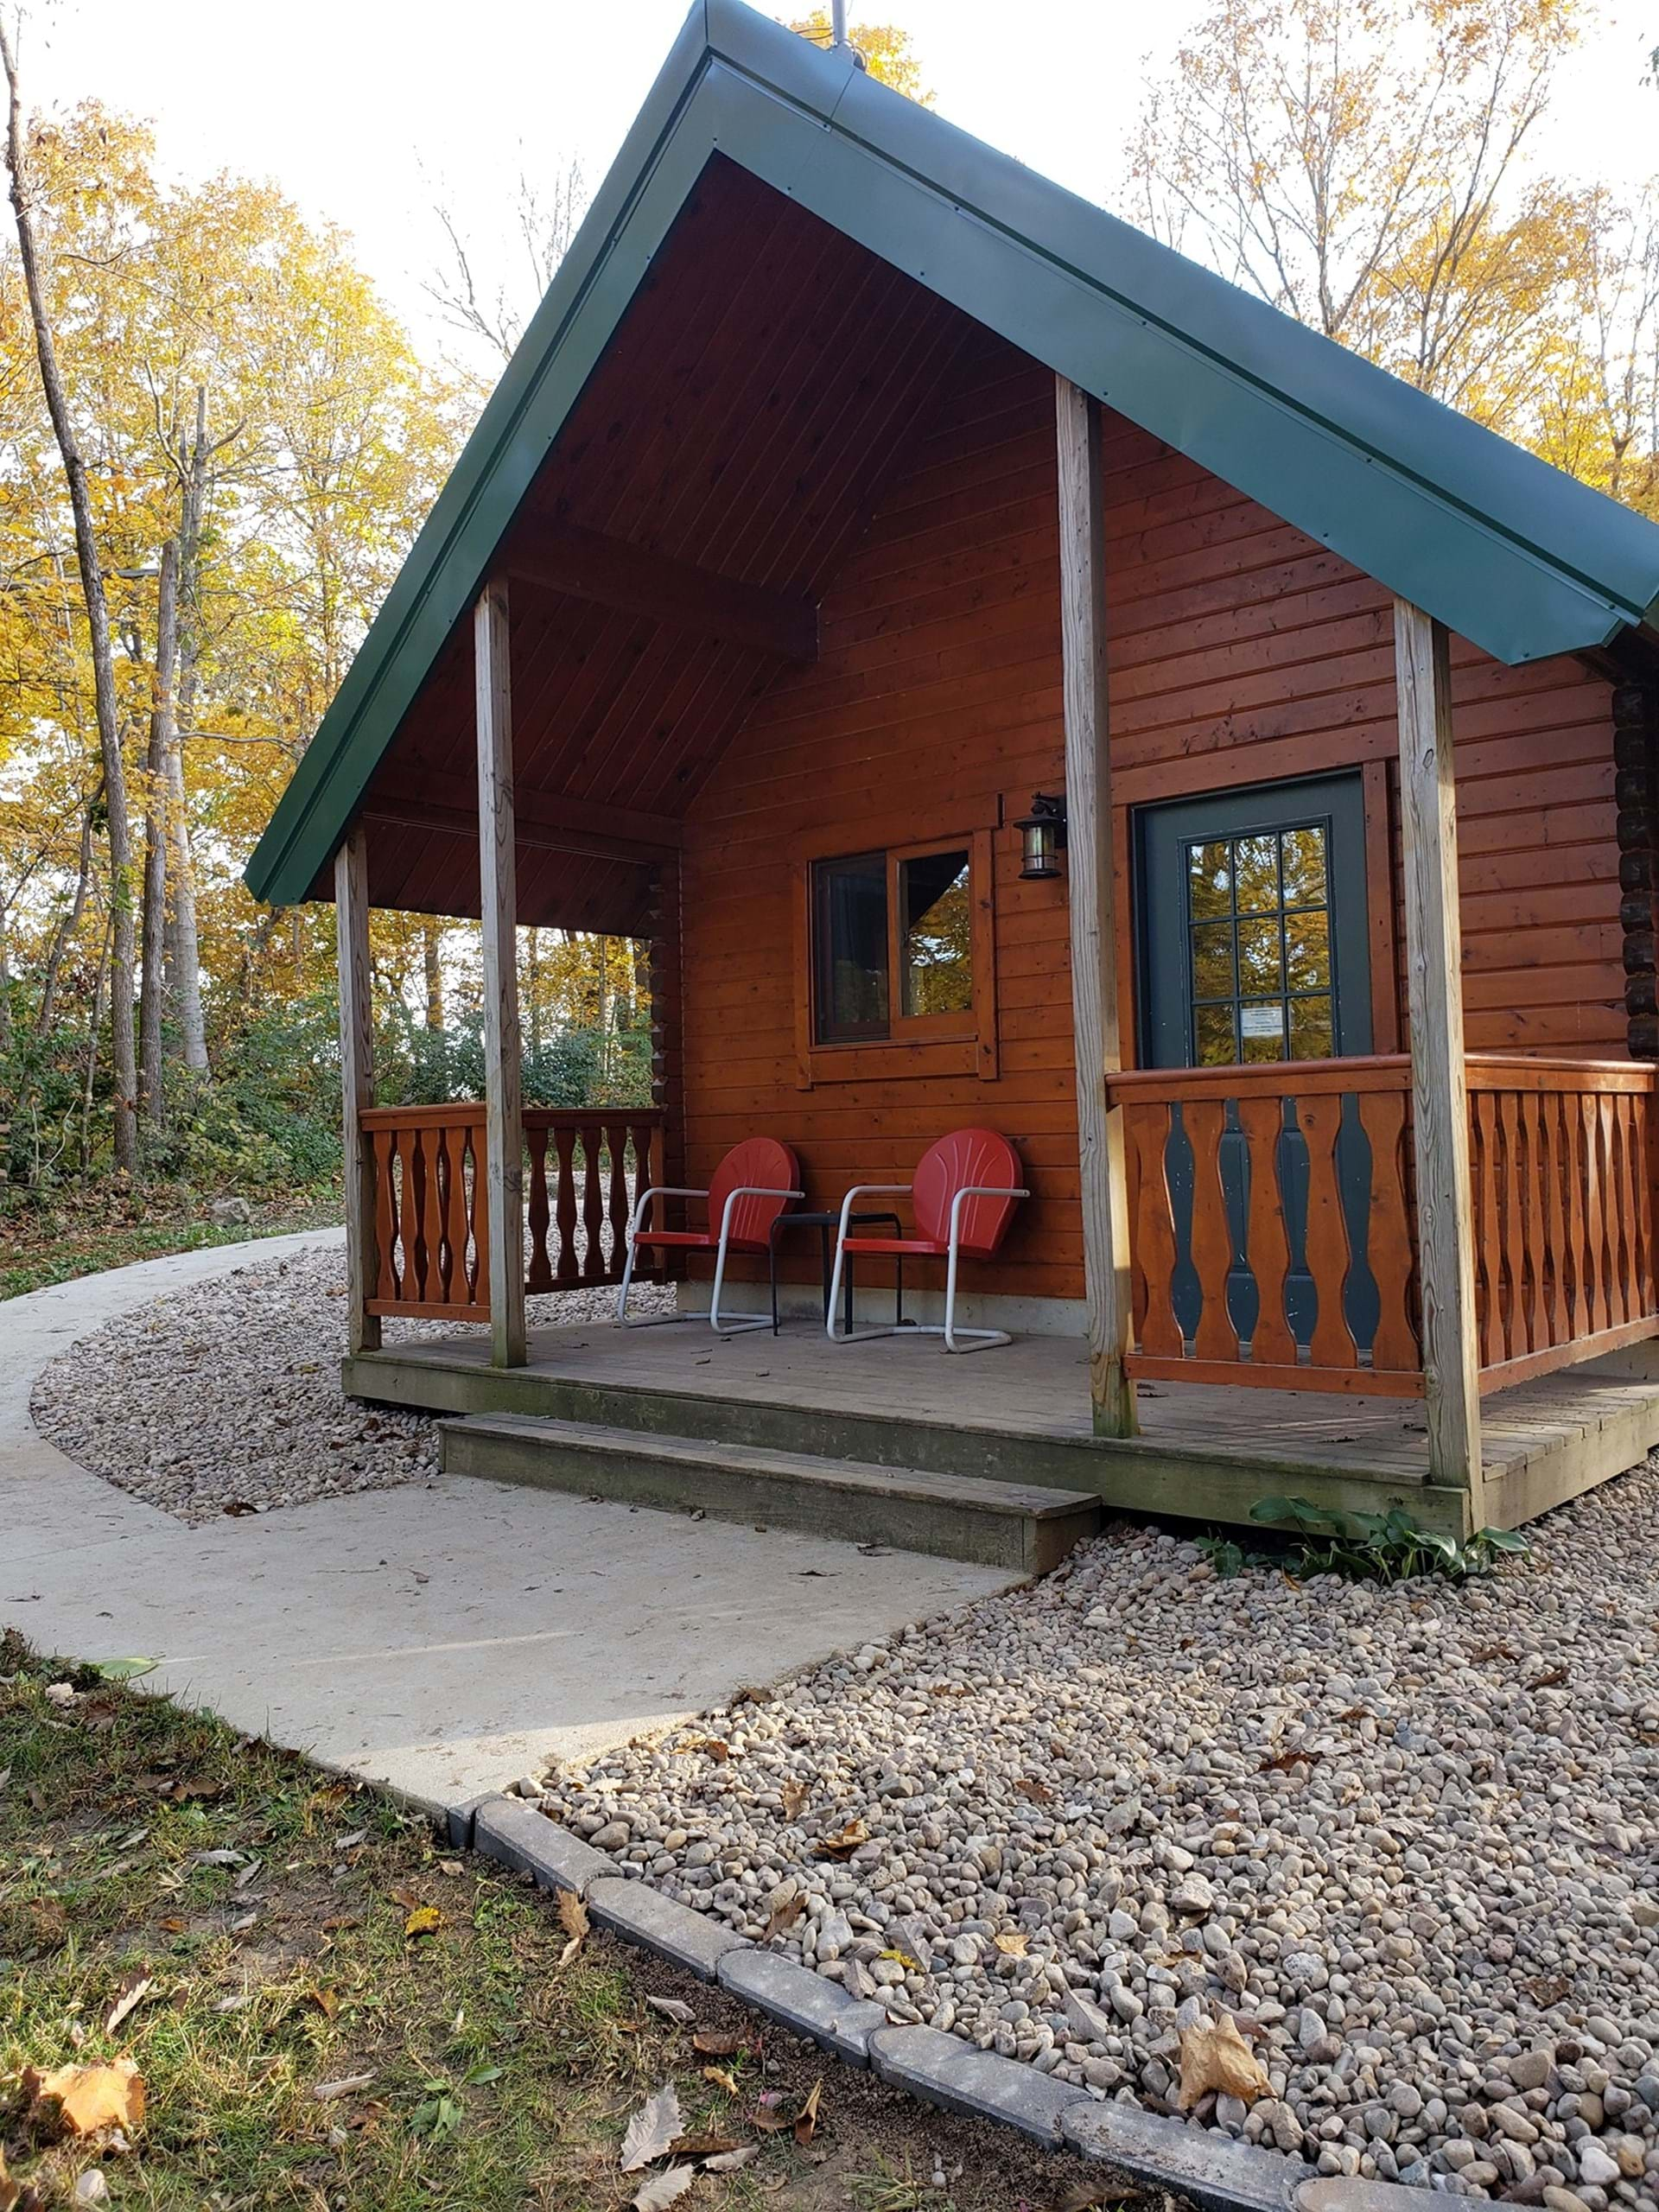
[
  {"x": 83, "y": 1237},
  {"x": 497, "y": 2075}
]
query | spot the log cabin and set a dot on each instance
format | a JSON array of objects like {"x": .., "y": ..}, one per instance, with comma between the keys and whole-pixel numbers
[{"x": 1011, "y": 679}]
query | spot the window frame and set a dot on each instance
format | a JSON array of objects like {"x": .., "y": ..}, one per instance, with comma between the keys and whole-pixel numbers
[{"x": 963, "y": 1043}]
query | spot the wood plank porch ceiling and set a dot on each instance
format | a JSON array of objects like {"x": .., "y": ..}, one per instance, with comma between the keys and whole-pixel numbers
[{"x": 768, "y": 377}]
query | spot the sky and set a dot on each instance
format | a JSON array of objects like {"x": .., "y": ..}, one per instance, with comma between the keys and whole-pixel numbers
[{"x": 363, "y": 112}]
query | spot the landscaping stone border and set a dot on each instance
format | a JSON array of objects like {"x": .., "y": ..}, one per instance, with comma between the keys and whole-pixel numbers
[{"x": 1215, "y": 2173}]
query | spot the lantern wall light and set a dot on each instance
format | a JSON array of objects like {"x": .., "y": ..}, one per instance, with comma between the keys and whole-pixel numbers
[{"x": 1042, "y": 835}]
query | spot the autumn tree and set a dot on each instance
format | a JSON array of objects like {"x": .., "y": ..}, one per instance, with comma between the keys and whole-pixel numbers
[
  {"x": 1359, "y": 164},
  {"x": 888, "y": 54}
]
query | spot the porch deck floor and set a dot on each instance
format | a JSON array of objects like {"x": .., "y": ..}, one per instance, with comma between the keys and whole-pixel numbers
[{"x": 1037, "y": 1388}]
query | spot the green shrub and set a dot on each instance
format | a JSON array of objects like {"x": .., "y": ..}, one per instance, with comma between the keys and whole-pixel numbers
[{"x": 1390, "y": 1547}]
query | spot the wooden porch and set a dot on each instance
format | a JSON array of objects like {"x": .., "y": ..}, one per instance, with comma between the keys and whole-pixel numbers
[{"x": 1206, "y": 1451}]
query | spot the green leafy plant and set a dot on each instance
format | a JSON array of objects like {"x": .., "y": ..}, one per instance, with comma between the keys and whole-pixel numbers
[{"x": 1388, "y": 1547}]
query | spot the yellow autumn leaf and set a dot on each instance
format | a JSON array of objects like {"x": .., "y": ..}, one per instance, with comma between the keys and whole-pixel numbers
[
  {"x": 425, "y": 1920},
  {"x": 90, "y": 2098}
]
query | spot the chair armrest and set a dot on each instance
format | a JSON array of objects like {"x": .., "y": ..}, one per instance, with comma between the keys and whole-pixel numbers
[
  {"x": 867, "y": 1191},
  {"x": 978, "y": 1191},
  {"x": 658, "y": 1190},
  {"x": 750, "y": 1190}
]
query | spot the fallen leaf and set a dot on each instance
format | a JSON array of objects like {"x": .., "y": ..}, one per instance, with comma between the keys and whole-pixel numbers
[
  {"x": 702, "y": 2147},
  {"x": 672, "y": 2008},
  {"x": 806, "y": 2120},
  {"x": 90, "y": 2098},
  {"x": 133, "y": 1993},
  {"x": 124, "y": 1670},
  {"x": 728, "y": 2162},
  {"x": 716, "y": 2043},
  {"x": 339, "y": 1921},
  {"x": 1282, "y": 1762},
  {"x": 844, "y": 1845},
  {"x": 1011, "y": 1943},
  {"x": 1551, "y": 1678},
  {"x": 425, "y": 1920},
  {"x": 573, "y": 1918},
  {"x": 785, "y": 1914},
  {"x": 664, "y": 2188},
  {"x": 1087, "y": 2193},
  {"x": 711, "y": 1745},
  {"x": 326, "y": 2002},
  {"x": 796, "y": 1797},
  {"x": 1039, "y": 1792},
  {"x": 347, "y": 2086},
  {"x": 1214, "y": 2056},
  {"x": 721, "y": 2079},
  {"x": 904, "y": 1958},
  {"x": 237, "y": 1506},
  {"x": 450, "y": 1866},
  {"x": 173, "y": 1925},
  {"x": 651, "y": 2133}
]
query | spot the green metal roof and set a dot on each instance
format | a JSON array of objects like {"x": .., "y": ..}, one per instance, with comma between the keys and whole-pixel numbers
[{"x": 1509, "y": 552}]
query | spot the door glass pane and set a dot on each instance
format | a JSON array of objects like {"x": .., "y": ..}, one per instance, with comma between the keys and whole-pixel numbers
[
  {"x": 1311, "y": 1035},
  {"x": 1262, "y": 1030},
  {"x": 849, "y": 922},
  {"x": 935, "y": 955},
  {"x": 1259, "y": 971},
  {"x": 1303, "y": 866},
  {"x": 1255, "y": 863},
  {"x": 1212, "y": 960},
  {"x": 1210, "y": 879},
  {"x": 1214, "y": 1024},
  {"x": 1307, "y": 952}
]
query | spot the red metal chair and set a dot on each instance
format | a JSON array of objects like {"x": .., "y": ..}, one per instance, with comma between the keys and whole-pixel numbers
[
  {"x": 962, "y": 1200},
  {"x": 752, "y": 1185}
]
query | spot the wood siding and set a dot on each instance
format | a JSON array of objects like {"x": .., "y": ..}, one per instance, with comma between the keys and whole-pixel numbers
[{"x": 1241, "y": 650}]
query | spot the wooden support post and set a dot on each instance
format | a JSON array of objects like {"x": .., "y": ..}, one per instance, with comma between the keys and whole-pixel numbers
[
  {"x": 1096, "y": 1037},
  {"x": 504, "y": 1116},
  {"x": 1438, "y": 1074},
  {"x": 357, "y": 1086}
]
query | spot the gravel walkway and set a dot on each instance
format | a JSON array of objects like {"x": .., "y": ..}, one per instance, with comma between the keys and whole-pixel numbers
[
  {"x": 1406, "y": 1837},
  {"x": 228, "y": 1396}
]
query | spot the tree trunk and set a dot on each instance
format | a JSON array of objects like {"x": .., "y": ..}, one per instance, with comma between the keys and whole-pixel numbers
[
  {"x": 123, "y": 936},
  {"x": 163, "y": 734},
  {"x": 70, "y": 922},
  {"x": 183, "y": 944},
  {"x": 430, "y": 934}
]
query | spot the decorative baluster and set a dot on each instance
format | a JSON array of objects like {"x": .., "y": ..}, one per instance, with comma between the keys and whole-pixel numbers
[
  {"x": 1596, "y": 1197},
  {"x": 1205, "y": 1121},
  {"x": 540, "y": 1277},
  {"x": 593, "y": 1205},
  {"x": 1148, "y": 1130},
  {"x": 616, "y": 1139},
  {"x": 1267, "y": 1247},
  {"x": 478, "y": 1214},
  {"x": 1320, "y": 1121},
  {"x": 384, "y": 1284},
  {"x": 1573, "y": 1178},
  {"x": 1511, "y": 1198},
  {"x": 446, "y": 1167},
  {"x": 1639, "y": 1152},
  {"x": 1489, "y": 1255},
  {"x": 431, "y": 1217},
  {"x": 567, "y": 1273},
  {"x": 1389, "y": 1247},
  {"x": 1625, "y": 1211}
]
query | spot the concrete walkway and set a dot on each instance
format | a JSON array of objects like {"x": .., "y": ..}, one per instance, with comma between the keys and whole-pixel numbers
[{"x": 439, "y": 1638}]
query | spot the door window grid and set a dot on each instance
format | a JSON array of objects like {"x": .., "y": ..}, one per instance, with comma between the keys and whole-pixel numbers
[{"x": 1258, "y": 946}]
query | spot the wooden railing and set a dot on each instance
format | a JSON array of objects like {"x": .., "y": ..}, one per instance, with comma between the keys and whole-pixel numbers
[
  {"x": 1249, "y": 1190},
  {"x": 584, "y": 1168},
  {"x": 1561, "y": 1169},
  {"x": 1273, "y": 1229}
]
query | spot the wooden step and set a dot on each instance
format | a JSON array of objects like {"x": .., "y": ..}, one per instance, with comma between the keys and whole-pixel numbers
[{"x": 1016, "y": 1525}]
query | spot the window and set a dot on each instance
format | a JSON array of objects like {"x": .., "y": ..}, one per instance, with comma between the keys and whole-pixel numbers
[
  {"x": 892, "y": 945},
  {"x": 1259, "y": 944}
]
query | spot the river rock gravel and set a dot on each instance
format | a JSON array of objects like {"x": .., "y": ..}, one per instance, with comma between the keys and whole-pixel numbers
[
  {"x": 1407, "y": 1837},
  {"x": 226, "y": 1397}
]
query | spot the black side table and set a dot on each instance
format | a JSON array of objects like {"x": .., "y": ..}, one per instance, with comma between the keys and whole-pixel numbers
[{"x": 826, "y": 1224}]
